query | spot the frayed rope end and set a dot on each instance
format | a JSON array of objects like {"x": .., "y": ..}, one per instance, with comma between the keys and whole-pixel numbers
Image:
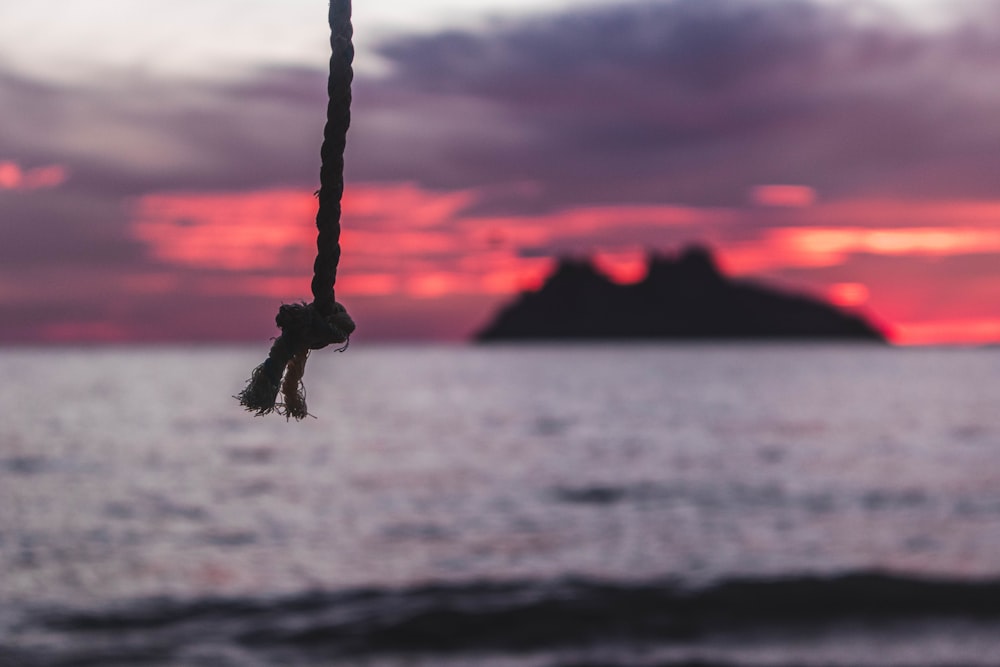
[
  {"x": 293, "y": 389},
  {"x": 261, "y": 391},
  {"x": 303, "y": 328}
]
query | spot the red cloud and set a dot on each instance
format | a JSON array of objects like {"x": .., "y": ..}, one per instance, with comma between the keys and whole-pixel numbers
[
  {"x": 817, "y": 246},
  {"x": 971, "y": 331},
  {"x": 788, "y": 196},
  {"x": 15, "y": 177},
  {"x": 240, "y": 231},
  {"x": 403, "y": 242},
  {"x": 848, "y": 295}
]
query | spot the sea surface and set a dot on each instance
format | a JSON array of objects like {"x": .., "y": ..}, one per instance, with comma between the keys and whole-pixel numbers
[{"x": 503, "y": 506}]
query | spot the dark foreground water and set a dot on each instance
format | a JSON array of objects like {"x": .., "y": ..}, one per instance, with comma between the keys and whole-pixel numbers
[{"x": 503, "y": 506}]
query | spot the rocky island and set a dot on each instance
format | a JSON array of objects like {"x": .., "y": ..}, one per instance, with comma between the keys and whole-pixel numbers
[{"x": 682, "y": 298}]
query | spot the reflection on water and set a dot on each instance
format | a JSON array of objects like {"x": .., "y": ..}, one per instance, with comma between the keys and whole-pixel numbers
[{"x": 573, "y": 478}]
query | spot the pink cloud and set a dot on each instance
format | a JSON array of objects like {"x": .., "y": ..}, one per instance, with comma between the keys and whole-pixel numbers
[
  {"x": 286, "y": 287},
  {"x": 587, "y": 220},
  {"x": 819, "y": 246},
  {"x": 784, "y": 196},
  {"x": 15, "y": 177},
  {"x": 883, "y": 212},
  {"x": 622, "y": 266},
  {"x": 519, "y": 275},
  {"x": 396, "y": 237},
  {"x": 848, "y": 295},
  {"x": 234, "y": 231},
  {"x": 403, "y": 205},
  {"x": 969, "y": 331},
  {"x": 402, "y": 242}
]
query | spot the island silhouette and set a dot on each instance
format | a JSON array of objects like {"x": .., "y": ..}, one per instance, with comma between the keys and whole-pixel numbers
[{"x": 682, "y": 297}]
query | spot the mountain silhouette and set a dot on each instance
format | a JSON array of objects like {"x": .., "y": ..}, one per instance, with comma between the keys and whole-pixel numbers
[{"x": 686, "y": 297}]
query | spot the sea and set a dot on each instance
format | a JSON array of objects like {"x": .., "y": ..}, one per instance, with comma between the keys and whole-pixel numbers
[{"x": 637, "y": 505}]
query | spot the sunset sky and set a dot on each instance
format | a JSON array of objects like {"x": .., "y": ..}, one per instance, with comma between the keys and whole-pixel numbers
[{"x": 157, "y": 160}]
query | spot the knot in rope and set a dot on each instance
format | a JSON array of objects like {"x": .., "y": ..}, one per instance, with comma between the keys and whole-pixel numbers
[
  {"x": 309, "y": 329},
  {"x": 303, "y": 328}
]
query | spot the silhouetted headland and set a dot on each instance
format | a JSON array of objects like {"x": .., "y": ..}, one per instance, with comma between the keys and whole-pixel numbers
[{"x": 686, "y": 297}]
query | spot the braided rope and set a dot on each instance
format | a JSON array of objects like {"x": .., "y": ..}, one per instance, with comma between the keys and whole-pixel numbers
[
  {"x": 331, "y": 174},
  {"x": 323, "y": 322}
]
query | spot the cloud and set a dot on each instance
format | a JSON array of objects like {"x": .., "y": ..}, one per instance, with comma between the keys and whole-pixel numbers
[
  {"x": 15, "y": 177},
  {"x": 832, "y": 245},
  {"x": 126, "y": 135},
  {"x": 966, "y": 331},
  {"x": 695, "y": 101},
  {"x": 241, "y": 231},
  {"x": 70, "y": 252},
  {"x": 791, "y": 196},
  {"x": 918, "y": 298},
  {"x": 400, "y": 238},
  {"x": 681, "y": 101},
  {"x": 808, "y": 145}
]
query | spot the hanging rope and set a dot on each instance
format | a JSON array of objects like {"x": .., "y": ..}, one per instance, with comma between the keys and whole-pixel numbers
[{"x": 323, "y": 322}]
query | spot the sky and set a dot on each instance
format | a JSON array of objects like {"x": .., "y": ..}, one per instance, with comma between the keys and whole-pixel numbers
[{"x": 157, "y": 160}]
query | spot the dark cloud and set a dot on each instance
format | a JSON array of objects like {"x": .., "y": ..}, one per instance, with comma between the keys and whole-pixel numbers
[
  {"x": 683, "y": 101},
  {"x": 63, "y": 228},
  {"x": 121, "y": 138},
  {"x": 692, "y": 101},
  {"x": 129, "y": 136}
]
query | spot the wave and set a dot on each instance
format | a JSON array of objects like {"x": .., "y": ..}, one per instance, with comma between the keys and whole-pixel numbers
[
  {"x": 767, "y": 496},
  {"x": 507, "y": 618}
]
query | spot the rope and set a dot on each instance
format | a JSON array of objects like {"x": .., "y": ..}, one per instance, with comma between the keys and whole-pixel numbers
[{"x": 323, "y": 322}]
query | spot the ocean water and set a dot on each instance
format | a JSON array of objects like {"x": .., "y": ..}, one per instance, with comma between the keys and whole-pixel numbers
[{"x": 514, "y": 506}]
